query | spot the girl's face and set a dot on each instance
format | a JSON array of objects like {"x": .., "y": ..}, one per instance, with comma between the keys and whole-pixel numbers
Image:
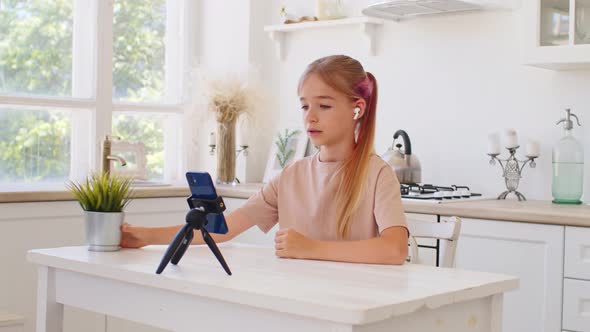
[{"x": 327, "y": 113}]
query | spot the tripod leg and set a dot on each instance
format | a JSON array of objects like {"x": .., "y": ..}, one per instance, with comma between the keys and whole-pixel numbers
[
  {"x": 173, "y": 247},
  {"x": 211, "y": 243},
  {"x": 188, "y": 238}
]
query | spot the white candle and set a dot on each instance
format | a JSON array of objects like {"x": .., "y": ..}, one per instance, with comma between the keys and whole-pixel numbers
[
  {"x": 320, "y": 9},
  {"x": 243, "y": 132},
  {"x": 532, "y": 149},
  {"x": 243, "y": 137},
  {"x": 511, "y": 139},
  {"x": 212, "y": 138},
  {"x": 494, "y": 143}
]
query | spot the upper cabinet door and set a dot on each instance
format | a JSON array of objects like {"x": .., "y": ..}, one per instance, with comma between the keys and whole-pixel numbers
[{"x": 557, "y": 34}]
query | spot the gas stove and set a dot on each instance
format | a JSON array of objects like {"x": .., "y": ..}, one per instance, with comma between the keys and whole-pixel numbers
[{"x": 436, "y": 194}]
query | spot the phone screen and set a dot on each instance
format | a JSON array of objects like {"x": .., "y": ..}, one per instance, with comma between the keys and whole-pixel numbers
[{"x": 201, "y": 186}]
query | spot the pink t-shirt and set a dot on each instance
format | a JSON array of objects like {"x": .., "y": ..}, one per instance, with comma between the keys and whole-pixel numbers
[{"x": 302, "y": 197}]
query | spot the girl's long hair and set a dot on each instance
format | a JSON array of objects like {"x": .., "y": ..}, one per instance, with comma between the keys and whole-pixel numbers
[{"x": 347, "y": 75}]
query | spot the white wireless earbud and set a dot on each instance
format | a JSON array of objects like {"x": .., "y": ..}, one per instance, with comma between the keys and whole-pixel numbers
[{"x": 357, "y": 111}]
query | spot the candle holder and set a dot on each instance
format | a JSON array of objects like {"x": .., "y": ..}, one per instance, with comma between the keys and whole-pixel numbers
[
  {"x": 512, "y": 171},
  {"x": 243, "y": 149}
]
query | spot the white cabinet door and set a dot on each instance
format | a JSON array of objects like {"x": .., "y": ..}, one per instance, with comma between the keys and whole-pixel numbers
[
  {"x": 532, "y": 252},
  {"x": 557, "y": 34},
  {"x": 577, "y": 252},
  {"x": 576, "y": 305}
]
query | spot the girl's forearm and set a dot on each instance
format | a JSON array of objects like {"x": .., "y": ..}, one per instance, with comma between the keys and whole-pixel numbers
[
  {"x": 372, "y": 251},
  {"x": 165, "y": 235},
  {"x": 236, "y": 224}
]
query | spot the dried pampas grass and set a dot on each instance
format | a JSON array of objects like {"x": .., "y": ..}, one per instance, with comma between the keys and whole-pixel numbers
[{"x": 229, "y": 99}]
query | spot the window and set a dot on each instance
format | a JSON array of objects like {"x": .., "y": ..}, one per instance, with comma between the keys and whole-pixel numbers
[
  {"x": 36, "y": 47},
  {"x": 139, "y": 28},
  {"x": 36, "y": 142},
  {"x": 73, "y": 71}
]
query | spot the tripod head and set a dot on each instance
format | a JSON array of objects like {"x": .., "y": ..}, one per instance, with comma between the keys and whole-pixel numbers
[
  {"x": 215, "y": 205},
  {"x": 196, "y": 218}
]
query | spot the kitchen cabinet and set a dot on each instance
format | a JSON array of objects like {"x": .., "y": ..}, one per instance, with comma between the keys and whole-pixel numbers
[
  {"x": 557, "y": 34},
  {"x": 576, "y": 305},
  {"x": 577, "y": 252},
  {"x": 532, "y": 252},
  {"x": 576, "y": 284}
]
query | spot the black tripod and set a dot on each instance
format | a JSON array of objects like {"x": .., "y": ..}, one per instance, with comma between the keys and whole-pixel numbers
[{"x": 196, "y": 218}]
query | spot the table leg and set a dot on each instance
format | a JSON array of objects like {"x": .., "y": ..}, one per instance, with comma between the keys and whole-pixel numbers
[
  {"x": 496, "y": 317},
  {"x": 49, "y": 312}
]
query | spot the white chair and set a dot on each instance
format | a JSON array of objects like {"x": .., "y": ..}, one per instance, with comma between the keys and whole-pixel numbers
[{"x": 447, "y": 230}]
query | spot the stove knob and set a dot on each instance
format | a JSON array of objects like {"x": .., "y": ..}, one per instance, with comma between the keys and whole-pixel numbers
[{"x": 439, "y": 195}]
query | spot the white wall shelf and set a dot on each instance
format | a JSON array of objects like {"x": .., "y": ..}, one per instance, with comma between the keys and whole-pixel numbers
[{"x": 368, "y": 25}]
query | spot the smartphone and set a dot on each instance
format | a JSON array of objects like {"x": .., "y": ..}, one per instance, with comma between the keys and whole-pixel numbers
[{"x": 201, "y": 186}]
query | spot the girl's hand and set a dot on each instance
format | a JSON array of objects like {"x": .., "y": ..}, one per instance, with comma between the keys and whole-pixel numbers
[
  {"x": 134, "y": 236},
  {"x": 291, "y": 244}
]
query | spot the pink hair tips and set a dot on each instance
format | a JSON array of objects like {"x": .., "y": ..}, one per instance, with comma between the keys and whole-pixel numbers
[{"x": 365, "y": 88}]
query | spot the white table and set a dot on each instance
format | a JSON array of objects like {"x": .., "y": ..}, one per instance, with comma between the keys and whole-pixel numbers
[{"x": 265, "y": 293}]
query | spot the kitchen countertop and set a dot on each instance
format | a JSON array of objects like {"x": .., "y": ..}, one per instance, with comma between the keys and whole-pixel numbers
[{"x": 534, "y": 211}]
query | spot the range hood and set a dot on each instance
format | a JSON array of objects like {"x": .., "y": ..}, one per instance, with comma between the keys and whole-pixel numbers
[{"x": 398, "y": 10}]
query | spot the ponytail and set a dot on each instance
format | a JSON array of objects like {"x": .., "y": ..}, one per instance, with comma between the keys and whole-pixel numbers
[{"x": 354, "y": 170}]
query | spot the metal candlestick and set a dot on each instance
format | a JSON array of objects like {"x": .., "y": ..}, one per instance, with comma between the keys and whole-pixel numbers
[
  {"x": 512, "y": 171},
  {"x": 243, "y": 149}
]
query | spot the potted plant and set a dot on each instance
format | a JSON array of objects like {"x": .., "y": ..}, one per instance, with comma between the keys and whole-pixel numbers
[{"x": 103, "y": 197}]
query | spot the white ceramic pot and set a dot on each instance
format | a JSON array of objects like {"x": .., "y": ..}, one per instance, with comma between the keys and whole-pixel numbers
[{"x": 103, "y": 230}]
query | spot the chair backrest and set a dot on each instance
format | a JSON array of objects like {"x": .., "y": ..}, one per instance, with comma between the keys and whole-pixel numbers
[{"x": 447, "y": 229}]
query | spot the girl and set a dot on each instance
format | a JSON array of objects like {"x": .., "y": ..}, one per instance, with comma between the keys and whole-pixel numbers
[{"x": 341, "y": 204}]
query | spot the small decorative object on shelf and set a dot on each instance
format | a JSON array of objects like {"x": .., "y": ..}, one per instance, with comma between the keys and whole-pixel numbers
[
  {"x": 287, "y": 18},
  {"x": 329, "y": 9},
  {"x": 512, "y": 167}
]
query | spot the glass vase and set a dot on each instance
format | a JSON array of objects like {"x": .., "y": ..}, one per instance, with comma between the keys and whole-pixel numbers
[{"x": 226, "y": 152}]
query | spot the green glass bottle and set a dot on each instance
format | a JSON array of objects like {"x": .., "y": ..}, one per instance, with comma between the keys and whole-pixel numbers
[{"x": 568, "y": 165}]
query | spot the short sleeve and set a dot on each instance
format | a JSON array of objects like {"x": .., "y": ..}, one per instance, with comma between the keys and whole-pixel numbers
[
  {"x": 388, "y": 210},
  {"x": 262, "y": 208}
]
